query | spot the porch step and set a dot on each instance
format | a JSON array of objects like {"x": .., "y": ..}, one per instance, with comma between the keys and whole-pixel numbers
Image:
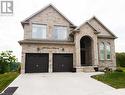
[{"x": 86, "y": 69}]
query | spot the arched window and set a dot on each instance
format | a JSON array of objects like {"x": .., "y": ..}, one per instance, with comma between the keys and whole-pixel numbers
[
  {"x": 108, "y": 51},
  {"x": 102, "y": 51}
]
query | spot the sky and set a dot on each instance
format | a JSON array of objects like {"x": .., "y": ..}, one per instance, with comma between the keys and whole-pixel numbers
[{"x": 110, "y": 12}]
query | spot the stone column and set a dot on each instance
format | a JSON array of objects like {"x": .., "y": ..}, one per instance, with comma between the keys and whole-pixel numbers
[
  {"x": 95, "y": 52},
  {"x": 78, "y": 59},
  {"x": 50, "y": 63},
  {"x": 23, "y": 63}
]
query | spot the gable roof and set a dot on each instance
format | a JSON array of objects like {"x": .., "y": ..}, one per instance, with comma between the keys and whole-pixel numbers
[
  {"x": 103, "y": 26},
  {"x": 50, "y": 5},
  {"x": 88, "y": 22},
  {"x": 77, "y": 28}
]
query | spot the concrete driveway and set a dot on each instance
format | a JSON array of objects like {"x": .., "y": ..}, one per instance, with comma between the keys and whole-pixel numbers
[{"x": 60, "y": 84}]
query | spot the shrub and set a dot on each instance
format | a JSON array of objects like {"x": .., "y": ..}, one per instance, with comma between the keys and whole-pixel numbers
[
  {"x": 107, "y": 70},
  {"x": 119, "y": 70},
  {"x": 8, "y": 62},
  {"x": 14, "y": 66},
  {"x": 120, "y": 59}
]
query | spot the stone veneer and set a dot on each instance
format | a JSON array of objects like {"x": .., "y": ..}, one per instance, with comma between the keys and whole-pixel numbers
[
  {"x": 51, "y": 17},
  {"x": 47, "y": 48}
]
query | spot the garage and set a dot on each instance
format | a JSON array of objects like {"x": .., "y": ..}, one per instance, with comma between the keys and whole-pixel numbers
[
  {"x": 62, "y": 62},
  {"x": 36, "y": 62}
]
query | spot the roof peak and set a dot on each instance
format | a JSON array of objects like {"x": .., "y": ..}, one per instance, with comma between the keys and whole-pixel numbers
[
  {"x": 94, "y": 17},
  {"x": 49, "y": 5}
]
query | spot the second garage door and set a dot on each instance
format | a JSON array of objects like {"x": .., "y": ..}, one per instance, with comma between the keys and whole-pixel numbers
[
  {"x": 36, "y": 62},
  {"x": 62, "y": 62}
]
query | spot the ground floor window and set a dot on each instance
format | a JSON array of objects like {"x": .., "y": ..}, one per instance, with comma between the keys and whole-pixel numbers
[
  {"x": 104, "y": 51},
  {"x": 108, "y": 51}
]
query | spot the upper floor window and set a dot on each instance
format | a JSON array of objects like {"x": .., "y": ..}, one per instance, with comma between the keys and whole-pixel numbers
[
  {"x": 38, "y": 31},
  {"x": 102, "y": 51},
  {"x": 108, "y": 51},
  {"x": 60, "y": 33}
]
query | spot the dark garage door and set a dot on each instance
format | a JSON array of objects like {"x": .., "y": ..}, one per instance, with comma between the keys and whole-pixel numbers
[
  {"x": 62, "y": 62},
  {"x": 36, "y": 62}
]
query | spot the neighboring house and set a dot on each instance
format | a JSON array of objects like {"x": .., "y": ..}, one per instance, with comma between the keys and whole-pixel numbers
[{"x": 52, "y": 43}]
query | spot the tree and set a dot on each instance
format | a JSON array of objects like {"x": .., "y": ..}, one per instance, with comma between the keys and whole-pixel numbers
[
  {"x": 7, "y": 62},
  {"x": 120, "y": 59}
]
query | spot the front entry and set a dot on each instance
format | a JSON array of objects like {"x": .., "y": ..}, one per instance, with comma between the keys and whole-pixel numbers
[
  {"x": 86, "y": 51},
  {"x": 62, "y": 62}
]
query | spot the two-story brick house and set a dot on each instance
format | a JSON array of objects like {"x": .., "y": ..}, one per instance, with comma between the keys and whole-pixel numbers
[{"x": 52, "y": 43}]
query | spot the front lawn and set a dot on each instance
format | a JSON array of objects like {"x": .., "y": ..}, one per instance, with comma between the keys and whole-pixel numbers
[
  {"x": 6, "y": 79},
  {"x": 114, "y": 79},
  {"x": 123, "y": 68}
]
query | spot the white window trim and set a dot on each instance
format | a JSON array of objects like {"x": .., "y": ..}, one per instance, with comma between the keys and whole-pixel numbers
[
  {"x": 105, "y": 51},
  {"x": 32, "y": 31},
  {"x": 66, "y": 33},
  {"x": 107, "y": 43},
  {"x": 100, "y": 52}
]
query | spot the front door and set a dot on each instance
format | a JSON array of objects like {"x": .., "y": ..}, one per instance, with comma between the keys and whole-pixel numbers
[{"x": 86, "y": 51}]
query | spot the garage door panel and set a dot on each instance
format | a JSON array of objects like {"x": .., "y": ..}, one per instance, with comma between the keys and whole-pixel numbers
[
  {"x": 36, "y": 63},
  {"x": 62, "y": 62}
]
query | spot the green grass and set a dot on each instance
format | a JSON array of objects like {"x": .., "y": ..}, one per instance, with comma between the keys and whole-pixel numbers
[
  {"x": 123, "y": 68},
  {"x": 6, "y": 79},
  {"x": 114, "y": 79}
]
